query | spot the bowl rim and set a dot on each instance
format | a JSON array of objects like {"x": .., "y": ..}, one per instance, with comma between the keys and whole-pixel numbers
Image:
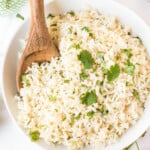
[{"x": 17, "y": 28}]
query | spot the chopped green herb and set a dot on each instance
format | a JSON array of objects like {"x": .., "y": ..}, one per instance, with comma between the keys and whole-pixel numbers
[
  {"x": 137, "y": 146},
  {"x": 86, "y": 58},
  {"x": 74, "y": 142},
  {"x": 56, "y": 110},
  {"x": 99, "y": 55},
  {"x": 75, "y": 33},
  {"x": 71, "y": 39},
  {"x": 72, "y": 119},
  {"x": 34, "y": 135},
  {"x": 104, "y": 110},
  {"x": 130, "y": 67},
  {"x": 104, "y": 70},
  {"x": 128, "y": 52},
  {"x": 84, "y": 85},
  {"x": 95, "y": 68},
  {"x": 99, "y": 83},
  {"x": 90, "y": 114},
  {"x": 144, "y": 134},
  {"x": 138, "y": 64},
  {"x": 128, "y": 84},
  {"x": 72, "y": 13},
  {"x": 20, "y": 16},
  {"x": 117, "y": 57},
  {"x": 52, "y": 98},
  {"x": 70, "y": 29},
  {"x": 89, "y": 98},
  {"x": 128, "y": 147},
  {"x": 73, "y": 91},
  {"x": 50, "y": 16},
  {"x": 100, "y": 42},
  {"x": 83, "y": 75},
  {"x": 136, "y": 94},
  {"x": 140, "y": 40},
  {"x": 91, "y": 35},
  {"x": 63, "y": 119},
  {"x": 76, "y": 46},
  {"x": 25, "y": 80},
  {"x": 85, "y": 29},
  {"x": 70, "y": 47},
  {"x": 66, "y": 81},
  {"x": 113, "y": 72},
  {"x": 78, "y": 116}
]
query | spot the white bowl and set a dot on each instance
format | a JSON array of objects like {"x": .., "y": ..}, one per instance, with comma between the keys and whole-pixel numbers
[{"x": 126, "y": 16}]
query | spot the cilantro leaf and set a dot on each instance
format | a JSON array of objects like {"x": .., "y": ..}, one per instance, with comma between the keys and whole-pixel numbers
[
  {"x": 66, "y": 81},
  {"x": 34, "y": 135},
  {"x": 128, "y": 147},
  {"x": 104, "y": 110},
  {"x": 137, "y": 146},
  {"x": 85, "y": 29},
  {"x": 144, "y": 134},
  {"x": 104, "y": 70},
  {"x": 83, "y": 75},
  {"x": 128, "y": 83},
  {"x": 72, "y": 13},
  {"x": 72, "y": 120},
  {"x": 136, "y": 94},
  {"x": 51, "y": 98},
  {"x": 99, "y": 83},
  {"x": 130, "y": 67},
  {"x": 128, "y": 52},
  {"x": 89, "y": 98},
  {"x": 99, "y": 55},
  {"x": 19, "y": 16},
  {"x": 78, "y": 116},
  {"x": 86, "y": 58},
  {"x": 90, "y": 114},
  {"x": 70, "y": 29},
  {"x": 91, "y": 35},
  {"x": 25, "y": 80},
  {"x": 113, "y": 72},
  {"x": 140, "y": 40},
  {"x": 76, "y": 46}
]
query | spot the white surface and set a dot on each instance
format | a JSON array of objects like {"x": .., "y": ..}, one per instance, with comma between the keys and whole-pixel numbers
[{"x": 10, "y": 137}]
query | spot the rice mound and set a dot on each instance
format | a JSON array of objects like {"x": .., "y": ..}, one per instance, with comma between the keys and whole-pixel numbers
[{"x": 53, "y": 98}]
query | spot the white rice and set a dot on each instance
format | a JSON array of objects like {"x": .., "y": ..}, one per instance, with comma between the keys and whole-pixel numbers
[{"x": 57, "y": 120}]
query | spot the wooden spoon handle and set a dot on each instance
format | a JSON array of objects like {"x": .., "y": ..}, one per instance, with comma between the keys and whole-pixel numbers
[
  {"x": 37, "y": 13},
  {"x": 39, "y": 36}
]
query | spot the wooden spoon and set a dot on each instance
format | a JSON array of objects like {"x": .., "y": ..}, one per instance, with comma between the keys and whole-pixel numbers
[{"x": 39, "y": 47}]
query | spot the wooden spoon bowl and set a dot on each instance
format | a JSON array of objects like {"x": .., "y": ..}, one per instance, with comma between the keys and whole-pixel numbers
[{"x": 40, "y": 47}]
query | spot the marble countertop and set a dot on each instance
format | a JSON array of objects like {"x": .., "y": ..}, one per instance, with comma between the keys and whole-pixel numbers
[{"x": 10, "y": 137}]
